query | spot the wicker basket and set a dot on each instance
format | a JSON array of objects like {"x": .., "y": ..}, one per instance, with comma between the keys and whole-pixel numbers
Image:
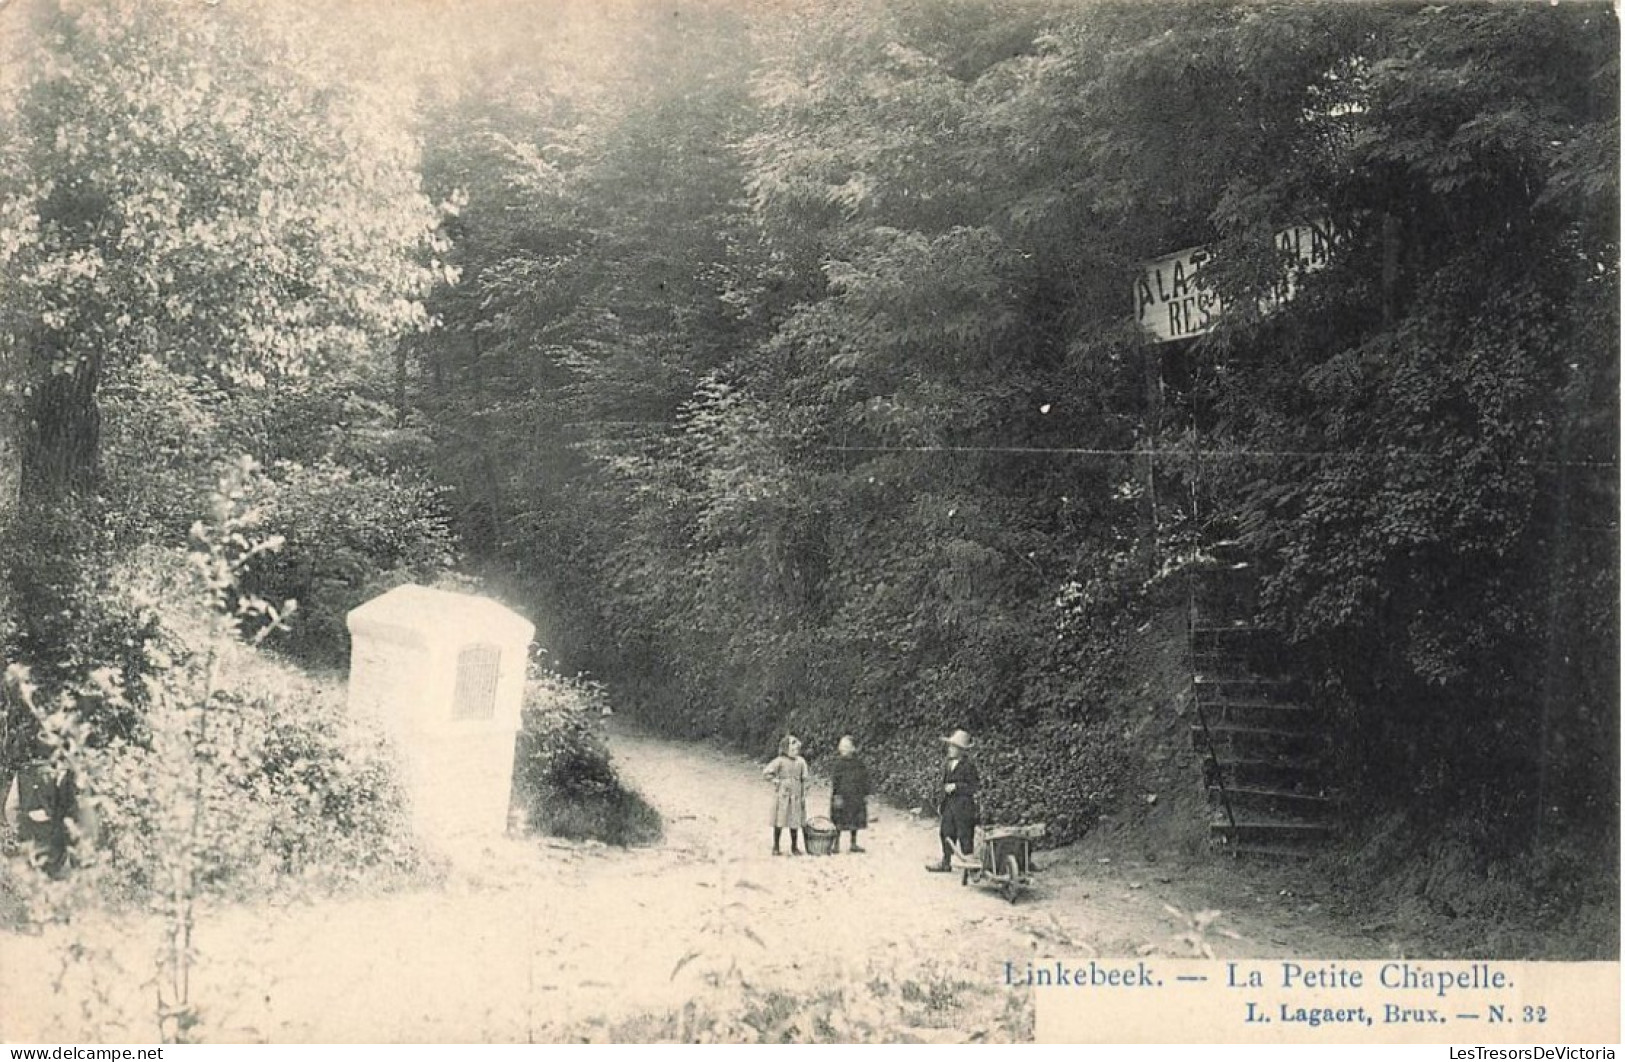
[{"x": 821, "y": 836}]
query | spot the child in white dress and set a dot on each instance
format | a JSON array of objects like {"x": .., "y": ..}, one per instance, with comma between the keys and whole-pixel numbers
[{"x": 788, "y": 773}]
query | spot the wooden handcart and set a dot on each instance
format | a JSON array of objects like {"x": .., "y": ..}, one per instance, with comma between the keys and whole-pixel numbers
[{"x": 1003, "y": 859}]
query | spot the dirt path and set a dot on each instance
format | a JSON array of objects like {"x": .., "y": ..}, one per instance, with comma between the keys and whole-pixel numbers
[{"x": 527, "y": 939}]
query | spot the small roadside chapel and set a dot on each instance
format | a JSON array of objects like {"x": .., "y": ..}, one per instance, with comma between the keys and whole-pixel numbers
[{"x": 445, "y": 674}]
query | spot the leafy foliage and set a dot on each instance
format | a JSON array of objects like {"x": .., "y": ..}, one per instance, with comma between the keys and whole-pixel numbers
[
  {"x": 565, "y": 784},
  {"x": 788, "y": 367},
  {"x": 875, "y": 1005},
  {"x": 186, "y": 196},
  {"x": 349, "y": 535},
  {"x": 887, "y": 471},
  {"x": 216, "y": 789},
  {"x": 192, "y": 212}
]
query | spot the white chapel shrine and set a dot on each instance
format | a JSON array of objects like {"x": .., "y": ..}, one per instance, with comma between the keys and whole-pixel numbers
[{"x": 445, "y": 674}]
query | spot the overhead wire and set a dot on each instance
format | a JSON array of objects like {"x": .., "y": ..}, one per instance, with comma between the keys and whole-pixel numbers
[{"x": 1229, "y": 453}]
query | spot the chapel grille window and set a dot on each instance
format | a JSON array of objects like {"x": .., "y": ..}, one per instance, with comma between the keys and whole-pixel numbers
[{"x": 476, "y": 696}]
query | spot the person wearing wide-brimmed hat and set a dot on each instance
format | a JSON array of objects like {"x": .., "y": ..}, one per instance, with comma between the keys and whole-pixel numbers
[{"x": 958, "y": 797}]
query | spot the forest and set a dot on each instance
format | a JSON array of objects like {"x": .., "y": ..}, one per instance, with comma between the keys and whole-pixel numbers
[{"x": 786, "y": 365}]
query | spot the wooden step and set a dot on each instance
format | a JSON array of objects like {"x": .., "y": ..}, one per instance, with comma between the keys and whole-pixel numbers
[
  {"x": 1215, "y": 564},
  {"x": 1230, "y": 681},
  {"x": 1270, "y": 799},
  {"x": 1224, "y": 613},
  {"x": 1218, "y": 629},
  {"x": 1277, "y": 758},
  {"x": 1240, "y": 626},
  {"x": 1271, "y": 831},
  {"x": 1230, "y": 743},
  {"x": 1240, "y": 637},
  {"x": 1287, "y": 764},
  {"x": 1238, "y": 674},
  {"x": 1249, "y": 732},
  {"x": 1214, "y": 631},
  {"x": 1263, "y": 741},
  {"x": 1217, "y": 703},
  {"x": 1257, "y": 661},
  {"x": 1278, "y": 828},
  {"x": 1287, "y": 774},
  {"x": 1287, "y": 714},
  {"x": 1268, "y": 851},
  {"x": 1213, "y": 684},
  {"x": 1224, "y": 549},
  {"x": 1254, "y": 661},
  {"x": 1272, "y": 792},
  {"x": 1232, "y": 585}
]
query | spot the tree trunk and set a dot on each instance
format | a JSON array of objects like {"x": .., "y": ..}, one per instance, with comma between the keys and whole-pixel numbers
[
  {"x": 49, "y": 541},
  {"x": 1392, "y": 246},
  {"x": 400, "y": 383},
  {"x": 11, "y": 456},
  {"x": 61, "y": 442}
]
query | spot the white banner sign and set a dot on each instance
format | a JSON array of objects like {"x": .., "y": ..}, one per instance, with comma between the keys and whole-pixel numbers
[{"x": 1172, "y": 301}]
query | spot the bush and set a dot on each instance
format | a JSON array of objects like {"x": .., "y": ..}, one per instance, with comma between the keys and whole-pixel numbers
[
  {"x": 566, "y": 784},
  {"x": 339, "y": 809},
  {"x": 1474, "y": 898},
  {"x": 883, "y": 1005},
  {"x": 163, "y": 433},
  {"x": 63, "y": 616},
  {"x": 235, "y": 775},
  {"x": 349, "y": 535},
  {"x": 1059, "y": 756},
  {"x": 292, "y": 785}
]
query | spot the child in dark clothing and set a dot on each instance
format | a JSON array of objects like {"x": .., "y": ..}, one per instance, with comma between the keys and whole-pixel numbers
[{"x": 849, "y": 796}]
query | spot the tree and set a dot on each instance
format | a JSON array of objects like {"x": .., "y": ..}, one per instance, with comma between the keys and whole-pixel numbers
[
  {"x": 179, "y": 191},
  {"x": 190, "y": 210},
  {"x": 890, "y": 462},
  {"x": 600, "y": 245}
]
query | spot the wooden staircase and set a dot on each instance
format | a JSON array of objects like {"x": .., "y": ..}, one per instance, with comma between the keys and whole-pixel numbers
[{"x": 1264, "y": 746}]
